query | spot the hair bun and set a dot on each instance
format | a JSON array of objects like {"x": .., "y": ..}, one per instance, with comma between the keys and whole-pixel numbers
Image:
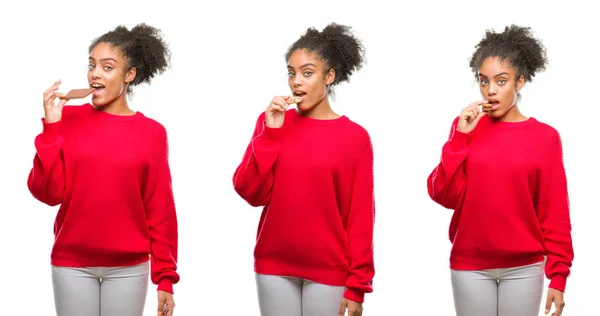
[
  {"x": 143, "y": 47},
  {"x": 515, "y": 44},
  {"x": 337, "y": 46}
]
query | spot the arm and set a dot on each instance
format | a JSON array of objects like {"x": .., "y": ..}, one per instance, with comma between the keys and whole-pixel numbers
[
  {"x": 161, "y": 216},
  {"x": 361, "y": 219},
  {"x": 553, "y": 213},
  {"x": 46, "y": 180},
  {"x": 253, "y": 178},
  {"x": 446, "y": 184}
]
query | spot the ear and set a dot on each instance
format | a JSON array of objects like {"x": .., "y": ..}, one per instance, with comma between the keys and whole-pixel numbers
[
  {"x": 330, "y": 77},
  {"x": 520, "y": 82},
  {"x": 130, "y": 75}
]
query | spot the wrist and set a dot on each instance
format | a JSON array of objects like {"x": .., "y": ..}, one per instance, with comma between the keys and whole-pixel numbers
[
  {"x": 272, "y": 124},
  {"x": 166, "y": 285},
  {"x": 354, "y": 295},
  {"x": 50, "y": 132},
  {"x": 462, "y": 129},
  {"x": 49, "y": 119},
  {"x": 558, "y": 282}
]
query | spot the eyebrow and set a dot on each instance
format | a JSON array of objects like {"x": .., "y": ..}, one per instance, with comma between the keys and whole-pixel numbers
[
  {"x": 496, "y": 76},
  {"x": 103, "y": 59},
  {"x": 305, "y": 65}
]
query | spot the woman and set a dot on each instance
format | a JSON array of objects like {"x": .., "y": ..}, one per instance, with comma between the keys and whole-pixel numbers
[
  {"x": 503, "y": 175},
  {"x": 107, "y": 166},
  {"x": 312, "y": 171}
]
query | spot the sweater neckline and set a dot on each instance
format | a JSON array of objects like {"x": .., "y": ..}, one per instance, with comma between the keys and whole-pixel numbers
[
  {"x": 110, "y": 116},
  {"x": 314, "y": 121},
  {"x": 530, "y": 120}
]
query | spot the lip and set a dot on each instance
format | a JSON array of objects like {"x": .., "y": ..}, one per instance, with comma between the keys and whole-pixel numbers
[
  {"x": 495, "y": 104},
  {"x": 296, "y": 92},
  {"x": 97, "y": 91}
]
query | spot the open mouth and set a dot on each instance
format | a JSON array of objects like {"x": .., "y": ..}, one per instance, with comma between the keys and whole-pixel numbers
[
  {"x": 494, "y": 103},
  {"x": 300, "y": 94},
  {"x": 98, "y": 88}
]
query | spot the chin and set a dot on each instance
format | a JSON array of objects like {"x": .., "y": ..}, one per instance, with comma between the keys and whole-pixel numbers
[
  {"x": 497, "y": 114},
  {"x": 304, "y": 106},
  {"x": 100, "y": 102}
]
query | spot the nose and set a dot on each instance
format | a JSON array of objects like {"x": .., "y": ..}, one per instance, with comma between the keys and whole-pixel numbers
[
  {"x": 297, "y": 80},
  {"x": 95, "y": 73},
  {"x": 493, "y": 89}
]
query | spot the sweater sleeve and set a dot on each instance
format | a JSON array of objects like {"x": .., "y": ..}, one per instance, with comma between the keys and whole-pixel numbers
[
  {"x": 253, "y": 178},
  {"x": 161, "y": 215},
  {"x": 553, "y": 213},
  {"x": 46, "y": 180},
  {"x": 446, "y": 184},
  {"x": 361, "y": 219}
]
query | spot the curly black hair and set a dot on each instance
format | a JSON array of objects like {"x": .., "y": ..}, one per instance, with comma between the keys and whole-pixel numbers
[
  {"x": 516, "y": 45},
  {"x": 336, "y": 46},
  {"x": 143, "y": 47}
]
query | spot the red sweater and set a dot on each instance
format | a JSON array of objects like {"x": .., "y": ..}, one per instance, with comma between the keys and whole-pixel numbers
[
  {"x": 315, "y": 181},
  {"x": 507, "y": 185},
  {"x": 111, "y": 177}
]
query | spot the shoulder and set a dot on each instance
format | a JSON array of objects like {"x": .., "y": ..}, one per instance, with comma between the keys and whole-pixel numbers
[
  {"x": 152, "y": 123},
  {"x": 357, "y": 132},
  {"x": 544, "y": 127},
  {"x": 546, "y": 131},
  {"x": 152, "y": 129},
  {"x": 546, "y": 138}
]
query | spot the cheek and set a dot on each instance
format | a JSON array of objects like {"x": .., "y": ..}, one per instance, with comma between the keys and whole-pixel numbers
[
  {"x": 509, "y": 93},
  {"x": 115, "y": 80},
  {"x": 483, "y": 90}
]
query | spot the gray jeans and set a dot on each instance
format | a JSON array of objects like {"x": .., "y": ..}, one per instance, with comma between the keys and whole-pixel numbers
[
  {"x": 499, "y": 292},
  {"x": 287, "y": 296},
  {"x": 99, "y": 291}
]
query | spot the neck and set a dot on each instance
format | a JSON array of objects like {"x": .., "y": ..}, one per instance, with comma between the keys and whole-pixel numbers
[
  {"x": 116, "y": 107},
  {"x": 513, "y": 115},
  {"x": 321, "y": 111}
]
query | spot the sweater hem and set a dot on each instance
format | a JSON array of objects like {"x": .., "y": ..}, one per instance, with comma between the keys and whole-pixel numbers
[
  {"x": 320, "y": 275},
  {"x": 99, "y": 262},
  {"x": 477, "y": 264}
]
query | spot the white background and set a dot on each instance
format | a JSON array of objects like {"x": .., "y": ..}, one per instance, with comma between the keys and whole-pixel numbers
[{"x": 227, "y": 65}]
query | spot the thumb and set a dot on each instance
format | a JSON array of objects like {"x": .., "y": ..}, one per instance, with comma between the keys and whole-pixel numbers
[
  {"x": 61, "y": 95},
  {"x": 549, "y": 300},
  {"x": 62, "y": 103},
  {"x": 478, "y": 117}
]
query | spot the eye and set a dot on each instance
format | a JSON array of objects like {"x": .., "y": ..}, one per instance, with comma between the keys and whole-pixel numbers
[
  {"x": 91, "y": 66},
  {"x": 108, "y": 68},
  {"x": 501, "y": 81},
  {"x": 483, "y": 82},
  {"x": 308, "y": 73},
  {"x": 290, "y": 74}
]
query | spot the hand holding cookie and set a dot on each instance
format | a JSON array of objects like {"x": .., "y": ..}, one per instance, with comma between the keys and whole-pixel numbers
[{"x": 52, "y": 110}]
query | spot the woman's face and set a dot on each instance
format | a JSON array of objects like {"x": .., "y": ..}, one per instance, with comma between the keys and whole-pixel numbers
[
  {"x": 109, "y": 73},
  {"x": 499, "y": 85},
  {"x": 308, "y": 78}
]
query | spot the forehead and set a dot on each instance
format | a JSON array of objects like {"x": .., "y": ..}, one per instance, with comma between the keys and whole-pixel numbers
[
  {"x": 302, "y": 57},
  {"x": 492, "y": 66},
  {"x": 106, "y": 50}
]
